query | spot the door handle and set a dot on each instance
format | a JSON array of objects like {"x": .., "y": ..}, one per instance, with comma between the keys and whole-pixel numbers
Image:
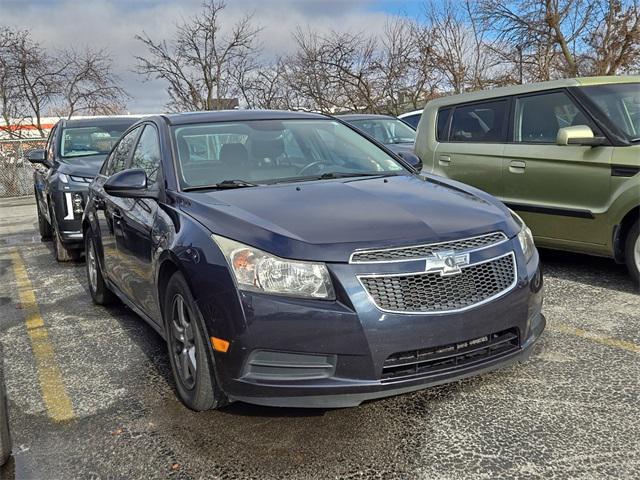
[
  {"x": 444, "y": 160},
  {"x": 517, "y": 166}
]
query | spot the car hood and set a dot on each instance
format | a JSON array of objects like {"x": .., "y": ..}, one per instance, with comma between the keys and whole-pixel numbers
[
  {"x": 82, "y": 166},
  {"x": 327, "y": 220}
]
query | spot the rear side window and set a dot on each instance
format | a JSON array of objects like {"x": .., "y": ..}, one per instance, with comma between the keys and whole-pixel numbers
[
  {"x": 147, "y": 153},
  {"x": 539, "y": 117},
  {"x": 412, "y": 120},
  {"x": 442, "y": 132},
  {"x": 118, "y": 159},
  {"x": 480, "y": 122}
]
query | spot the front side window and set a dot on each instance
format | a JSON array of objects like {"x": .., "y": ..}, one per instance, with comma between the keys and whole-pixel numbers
[
  {"x": 479, "y": 123},
  {"x": 539, "y": 117},
  {"x": 147, "y": 153},
  {"x": 412, "y": 120},
  {"x": 387, "y": 131},
  {"x": 620, "y": 103},
  {"x": 118, "y": 158},
  {"x": 86, "y": 141},
  {"x": 271, "y": 151}
]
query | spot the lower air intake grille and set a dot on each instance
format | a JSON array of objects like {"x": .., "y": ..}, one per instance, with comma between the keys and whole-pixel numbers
[{"x": 451, "y": 357}]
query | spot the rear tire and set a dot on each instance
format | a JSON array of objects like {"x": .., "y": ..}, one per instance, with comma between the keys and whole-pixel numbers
[
  {"x": 632, "y": 252},
  {"x": 189, "y": 349},
  {"x": 98, "y": 289},
  {"x": 43, "y": 224}
]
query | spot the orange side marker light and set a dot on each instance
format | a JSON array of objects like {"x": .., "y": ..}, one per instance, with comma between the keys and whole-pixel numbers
[{"x": 219, "y": 344}]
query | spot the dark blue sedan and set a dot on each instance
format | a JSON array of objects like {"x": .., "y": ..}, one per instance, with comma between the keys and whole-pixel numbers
[{"x": 289, "y": 260}]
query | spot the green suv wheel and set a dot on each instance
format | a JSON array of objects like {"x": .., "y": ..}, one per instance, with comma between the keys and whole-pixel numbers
[{"x": 632, "y": 252}]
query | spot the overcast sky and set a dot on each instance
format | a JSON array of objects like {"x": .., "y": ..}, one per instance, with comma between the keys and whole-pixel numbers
[{"x": 114, "y": 23}]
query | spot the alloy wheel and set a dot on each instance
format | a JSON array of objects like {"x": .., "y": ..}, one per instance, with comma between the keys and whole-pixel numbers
[
  {"x": 92, "y": 266},
  {"x": 184, "y": 348},
  {"x": 636, "y": 253}
]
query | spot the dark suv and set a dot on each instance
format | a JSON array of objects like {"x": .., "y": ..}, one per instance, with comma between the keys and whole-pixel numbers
[{"x": 75, "y": 151}]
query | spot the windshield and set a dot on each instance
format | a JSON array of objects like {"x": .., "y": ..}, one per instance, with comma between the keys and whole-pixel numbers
[
  {"x": 620, "y": 102},
  {"x": 272, "y": 151},
  {"x": 386, "y": 130},
  {"x": 96, "y": 140}
]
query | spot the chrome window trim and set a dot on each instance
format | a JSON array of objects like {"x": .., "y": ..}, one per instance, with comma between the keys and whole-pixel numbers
[
  {"x": 442, "y": 312},
  {"x": 399, "y": 260}
]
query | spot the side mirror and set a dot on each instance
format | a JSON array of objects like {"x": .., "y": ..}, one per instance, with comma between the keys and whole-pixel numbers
[
  {"x": 130, "y": 183},
  {"x": 579, "y": 135},
  {"x": 37, "y": 156},
  {"x": 412, "y": 159}
]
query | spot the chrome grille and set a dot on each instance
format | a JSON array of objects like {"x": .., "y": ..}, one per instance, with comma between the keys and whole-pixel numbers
[
  {"x": 435, "y": 293},
  {"x": 422, "y": 251}
]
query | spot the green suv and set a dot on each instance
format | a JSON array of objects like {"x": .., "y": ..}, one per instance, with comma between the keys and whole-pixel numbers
[{"x": 564, "y": 154}]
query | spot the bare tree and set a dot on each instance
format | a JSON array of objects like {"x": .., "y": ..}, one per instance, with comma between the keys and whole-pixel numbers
[
  {"x": 88, "y": 84},
  {"x": 200, "y": 64},
  {"x": 614, "y": 40}
]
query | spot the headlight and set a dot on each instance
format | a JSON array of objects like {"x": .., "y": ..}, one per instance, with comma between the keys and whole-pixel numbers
[
  {"x": 259, "y": 271},
  {"x": 63, "y": 178},
  {"x": 525, "y": 237}
]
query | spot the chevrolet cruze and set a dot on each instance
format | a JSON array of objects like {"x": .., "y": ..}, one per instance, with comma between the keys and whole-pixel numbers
[{"x": 290, "y": 261}]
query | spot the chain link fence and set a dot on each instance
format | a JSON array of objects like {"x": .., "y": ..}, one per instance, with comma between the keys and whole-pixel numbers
[{"x": 16, "y": 173}]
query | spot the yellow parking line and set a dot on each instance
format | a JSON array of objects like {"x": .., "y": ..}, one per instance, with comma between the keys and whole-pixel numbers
[
  {"x": 54, "y": 392},
  {"x": 594, "y": 337}
]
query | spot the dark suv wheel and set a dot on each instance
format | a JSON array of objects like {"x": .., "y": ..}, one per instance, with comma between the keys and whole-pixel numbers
[
  {"x": 189, "y": 350},
  {"x": 62, "y": 253},
  {"x": 43, "y": 224}
]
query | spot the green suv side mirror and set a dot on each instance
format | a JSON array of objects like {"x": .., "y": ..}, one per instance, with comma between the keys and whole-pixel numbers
[{"x": 579, "y": 135}]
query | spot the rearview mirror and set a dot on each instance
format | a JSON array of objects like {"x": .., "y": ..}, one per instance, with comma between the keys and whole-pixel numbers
[
  {"x": 130, "y": 183},
  {"x": 579, "y": 135},
  {"x": 412, "y": 159},
  {"x": 36, "y": 156}
]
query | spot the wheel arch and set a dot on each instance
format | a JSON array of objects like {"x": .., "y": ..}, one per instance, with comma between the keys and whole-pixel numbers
[{"x": 621, "y": 232}]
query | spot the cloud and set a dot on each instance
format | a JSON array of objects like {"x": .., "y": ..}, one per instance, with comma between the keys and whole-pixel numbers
[{"x": 113, "y": 24}]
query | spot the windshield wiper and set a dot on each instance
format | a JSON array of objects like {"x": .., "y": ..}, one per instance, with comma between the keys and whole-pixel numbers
[
  {"x": 223, "y": 184},
  {"x": 330, "y": 175}
]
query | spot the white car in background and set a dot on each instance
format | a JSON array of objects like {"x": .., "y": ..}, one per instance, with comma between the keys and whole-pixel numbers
[{"x": 412, "y": 118}]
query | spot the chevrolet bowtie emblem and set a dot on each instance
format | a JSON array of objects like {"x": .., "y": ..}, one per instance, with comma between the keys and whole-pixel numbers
[{"x": 447, "y": 262}]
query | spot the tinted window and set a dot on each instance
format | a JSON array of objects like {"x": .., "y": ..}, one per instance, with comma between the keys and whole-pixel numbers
[
  {"x": 119, "y": 157},
  {"x": 147, "y": 153},
  {"x": 620, "y": 103},
  {"x": 51, "y": 142},
  {"x": 480, "y": 122},
  {"x": 539, "y": 117},
  {"x": 443, "y": 122},
  {"x": 412, "y": 120}
]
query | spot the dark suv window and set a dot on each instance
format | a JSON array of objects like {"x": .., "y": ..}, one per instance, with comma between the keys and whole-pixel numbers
[
  {"x": 118, "y": 158},
  {"x": 480, "y": 122},
  {"x": 147, "y": 153},
  {"x": 539, "y": 117}
]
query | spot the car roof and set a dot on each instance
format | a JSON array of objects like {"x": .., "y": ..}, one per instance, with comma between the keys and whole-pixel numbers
[
  {"x": 531, "y": 87},
  {"x": 408, "y": 114},
  {"x": 238, "y": 115},
  {"x": 102, "y": 120},
  {"x": 363, "y": 116}
]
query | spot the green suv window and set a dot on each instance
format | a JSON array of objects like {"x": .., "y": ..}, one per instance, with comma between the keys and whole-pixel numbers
[
  {"x": 539, "y": 117},
  {"x": 480, "y": 122}
]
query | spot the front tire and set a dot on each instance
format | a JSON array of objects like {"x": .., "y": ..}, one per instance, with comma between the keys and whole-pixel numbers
[
  {"x": 43, "y": 224},
  {"x": 189, "y": 350},
  {"x": 61, "y": 252},
  {"x": 98, "y": 289},
  {"x": 632, "y": 252}
]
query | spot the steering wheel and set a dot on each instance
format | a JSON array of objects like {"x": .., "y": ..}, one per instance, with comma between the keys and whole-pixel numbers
[{"x": 310, "y": 166}]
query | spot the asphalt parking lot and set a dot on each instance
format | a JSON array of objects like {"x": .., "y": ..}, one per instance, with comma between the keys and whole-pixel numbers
[{"x": 91, "y": 393}]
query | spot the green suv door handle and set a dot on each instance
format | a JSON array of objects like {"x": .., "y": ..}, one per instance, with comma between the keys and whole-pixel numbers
[
  {"x": 517, "y": 166},
  {"x": 444, "y": 160}
]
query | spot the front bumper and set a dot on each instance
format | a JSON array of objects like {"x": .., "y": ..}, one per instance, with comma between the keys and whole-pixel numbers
[
  {"x": 69, "y": 221},
  {"x": 343, "y": 346}
]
